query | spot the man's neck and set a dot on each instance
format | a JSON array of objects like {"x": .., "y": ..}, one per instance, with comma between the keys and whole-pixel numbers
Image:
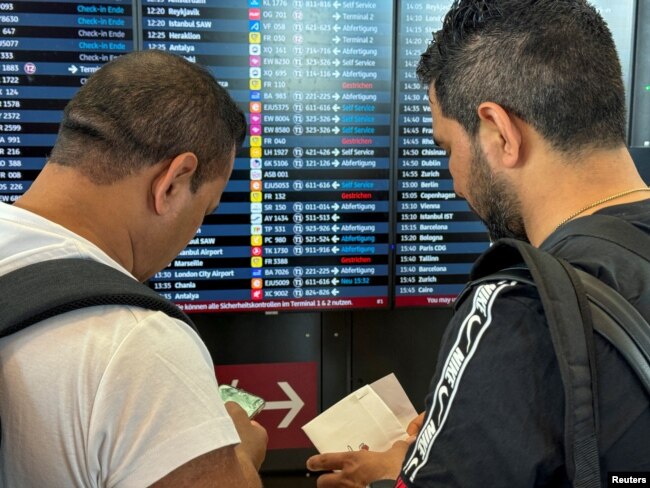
[
  {"x": 64, "y": 196},
  {"x": 558, "y": 191}
]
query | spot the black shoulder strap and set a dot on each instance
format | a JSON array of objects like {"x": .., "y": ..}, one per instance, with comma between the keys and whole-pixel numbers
[
  {"x": 614, "y": 318},
  {"x": 38, "y": 291},
  {"x": 569, "y": 322},
  {"x": 557, "y": 282},
  {"x": 621, "y": 324}
]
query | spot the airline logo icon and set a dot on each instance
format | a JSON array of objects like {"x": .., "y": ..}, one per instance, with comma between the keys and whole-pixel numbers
[
  {"x": 254, "y": 49},
  {"x": 256, "y": 283},
  {"x": 254, "y": 37},
  {"x": 254, "y": 14},
  {"x": 256, "y": 196},
  {"x": 254, "y": 72},
  {"x": 255, "y": 84},
  {"x": 256, "y": 141},
  {"x": 257, "y": 295},
  {"x": 255, "y": 107},
  {"x": 256, "y": 118},
  {"x": 256, "y": 229},
  {"x": 256, "y": 240},
  {"x": 256, "y": 163},
  {"x": 256, "y": 262},
  {"x": 256, "y": 273},
  {"x": 255, "y": 130},
  {"x": 256, "y": 218},
  {"x": 256, "y": 251},
  {"x": 256, "y": 185},
  {"x": 254, "y": 60},
  {"x": 256, "y": 174},
  {"x": 256, "y": 152},
  {"x": 256, "y": 208},
  {"x": 255, "y": 95}
]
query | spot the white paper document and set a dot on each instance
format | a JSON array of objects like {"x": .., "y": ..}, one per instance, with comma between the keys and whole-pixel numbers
[{"x": 373, "y": 417}]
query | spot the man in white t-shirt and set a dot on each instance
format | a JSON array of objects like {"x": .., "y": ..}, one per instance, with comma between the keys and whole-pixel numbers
[{"x": 118, "y": 396}]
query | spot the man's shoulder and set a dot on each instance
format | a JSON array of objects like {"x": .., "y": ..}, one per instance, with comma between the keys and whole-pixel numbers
[
  {"x": 496, "y": 313},
  {"x": 28, "y": 238},
  {"x": 637, "y": 213},
  {"x": 123, "y": 322},
  {"x": 611, "y": 258},
  {"x": 496, "y": 295},
  {"x": 572, "y": 237}
]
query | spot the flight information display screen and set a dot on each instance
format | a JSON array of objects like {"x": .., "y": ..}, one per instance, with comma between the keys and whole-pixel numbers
[
  {"x": 339, "y": 198},
  {"x": 304, "y": 221},
  {"x": 437, "y": 237},
  {"x": 47, "y": 51}
]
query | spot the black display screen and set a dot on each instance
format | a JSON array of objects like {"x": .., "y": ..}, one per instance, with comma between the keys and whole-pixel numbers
[
  {"x": 304, "y": 221},
  {"x": 339, "y": 198},
  {"x": 437, "y": 237},
  {"x": 47, "y": 51}
]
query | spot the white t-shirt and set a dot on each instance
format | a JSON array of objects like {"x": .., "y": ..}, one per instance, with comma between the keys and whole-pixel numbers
[{"x": 110, "y": 396}]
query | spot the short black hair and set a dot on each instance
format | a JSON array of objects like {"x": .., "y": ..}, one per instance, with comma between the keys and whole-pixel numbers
[
  {"x": 553, "y": 63},
  {"x": 144, "y": 108}
]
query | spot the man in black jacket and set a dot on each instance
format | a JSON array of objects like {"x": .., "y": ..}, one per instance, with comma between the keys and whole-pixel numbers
[{"x": 527, "y": 99}]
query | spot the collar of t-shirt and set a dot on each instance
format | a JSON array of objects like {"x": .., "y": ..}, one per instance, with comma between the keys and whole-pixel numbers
[{"x": 27, "y": 238}]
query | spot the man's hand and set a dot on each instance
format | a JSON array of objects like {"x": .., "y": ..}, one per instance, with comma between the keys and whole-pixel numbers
[
  {"x": 253, "y": 436},
  {"x": 415, "y": 425},
  {"x": 358, "y": 469}
]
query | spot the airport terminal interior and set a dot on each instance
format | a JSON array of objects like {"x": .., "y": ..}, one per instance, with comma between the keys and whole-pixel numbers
[{"x": 339, "y": 245}]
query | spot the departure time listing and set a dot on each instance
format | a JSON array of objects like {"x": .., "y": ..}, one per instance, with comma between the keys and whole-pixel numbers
[
  {"x": 47, "y": 51},
  {"x": 304, "y": 221},
  {"x": 437, "y": 237}
]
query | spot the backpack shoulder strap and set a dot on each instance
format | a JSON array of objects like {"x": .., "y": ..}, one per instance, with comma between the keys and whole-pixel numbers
[
  {"x": 618, "y": 321},
  {"x": 569, "y": 321},
  {"x": 614, "y": 318},
  {"x": 39, "y": 291}
]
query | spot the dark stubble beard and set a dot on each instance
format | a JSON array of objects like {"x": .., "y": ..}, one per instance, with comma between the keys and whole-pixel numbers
[{"x": 493, "y": 200}]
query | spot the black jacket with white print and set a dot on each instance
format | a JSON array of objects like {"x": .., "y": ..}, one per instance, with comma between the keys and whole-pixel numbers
[{"x": 495, "y": 411}]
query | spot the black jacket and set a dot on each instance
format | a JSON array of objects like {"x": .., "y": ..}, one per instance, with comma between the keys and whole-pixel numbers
[{"x": 495, "y": 414}]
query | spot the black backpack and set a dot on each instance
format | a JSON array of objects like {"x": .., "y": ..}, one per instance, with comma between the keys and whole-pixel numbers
[
  {"x": 42, "y": 290},
  {"x": 576, "y": 304},
  {"x": 39, "y": 291}
]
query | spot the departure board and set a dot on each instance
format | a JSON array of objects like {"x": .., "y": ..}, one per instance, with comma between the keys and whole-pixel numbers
[
  {"x": 437, "y": 236},
  {"x": 304, "y": 221},
  {"x": 47, "y": 51},
  {"x": 339, "y": 198}
]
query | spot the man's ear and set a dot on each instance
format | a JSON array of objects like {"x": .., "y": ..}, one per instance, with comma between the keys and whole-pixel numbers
[
  {"x": 172, "y": 182},
  {"x": 500, "y": 135}
]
